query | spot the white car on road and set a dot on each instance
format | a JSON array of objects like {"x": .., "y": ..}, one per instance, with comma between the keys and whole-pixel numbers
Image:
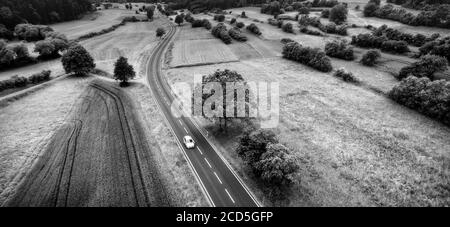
[{"x": 189, "y": 142}]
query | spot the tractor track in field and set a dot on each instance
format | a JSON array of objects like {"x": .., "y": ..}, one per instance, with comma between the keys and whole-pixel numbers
[{"x": 99, "y": 157}]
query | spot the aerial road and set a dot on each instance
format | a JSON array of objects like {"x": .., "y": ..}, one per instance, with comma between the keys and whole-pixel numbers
[{"x": 221, "y": 185}]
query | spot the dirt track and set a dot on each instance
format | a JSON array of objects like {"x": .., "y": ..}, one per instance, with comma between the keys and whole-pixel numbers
[{"x": 100, "y": 157}]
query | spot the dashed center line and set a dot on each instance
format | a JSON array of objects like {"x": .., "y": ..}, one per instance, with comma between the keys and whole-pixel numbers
[
  {"x": 218, "y": 177},
  {"x": 232, "y": 200},
  {"x": 185, "y": 129},
  {"x": 200, "y": 151},
  {"x": 208, "y": 163},
  {"x": 180, "y": 122}
]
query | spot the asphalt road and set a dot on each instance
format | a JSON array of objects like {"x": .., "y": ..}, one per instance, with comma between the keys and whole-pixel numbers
[
  {"x": 100, "y": 157},
  {"x": 219, "y": 182}
]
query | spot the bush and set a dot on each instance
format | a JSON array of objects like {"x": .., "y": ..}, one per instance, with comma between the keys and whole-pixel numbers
[
  {"x": 431, "y": 98},
  {"x": 427, "y": 66},
  {"x": 346, "y": 76},
  {"x": 243, "y": 15},
  {"x": 368, "y": 40},
  {"x": 254, "y": 29},
  {"x": 220, "y": 31},
  {"x": 395, "y": 46},
  {"x": 333, "y": 29},
  {"x": 277, "y": 166},
  {"x": 233, "y": 20},
  {"x": 287, "y": 27},
  {"x": 313, "y": 57},
  {"x": 179, "y": 19},
  {"x": 160, "y": 32},
  {"x": 338, "y": 14},
  {"x": 325, "y": 13},
  {"x": 303, "y": 10},
  {"x": 339, "y": 49},
  {"x": 440, "y": 47},
  {"x": 197, "y": 23},
  {"x": 236, "y": 34},
  {"x": 240, "y": 25},
  {"x": 5, "y": 33},
  {"x": 219, "y": 17},
  {"x": 305, "y": 30},
  {"x": 370, "y": 57},
  {"x": 40, "y": 77},
  {"x": 286, "y": 40},
  {"x": 370, "y": 9},
  {"x": 206, "y": 24},
  {"x": 77, "y": 60}
]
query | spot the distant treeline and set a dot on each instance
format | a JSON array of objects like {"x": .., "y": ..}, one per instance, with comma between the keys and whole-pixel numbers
[
  {"x": 419, "y": 4},
  {"x": 202, "y": 5},
  {"x": 13, "y": 12}
]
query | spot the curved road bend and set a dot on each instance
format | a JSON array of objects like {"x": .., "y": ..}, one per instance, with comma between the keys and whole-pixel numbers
[{"x": 222, "y": 186}]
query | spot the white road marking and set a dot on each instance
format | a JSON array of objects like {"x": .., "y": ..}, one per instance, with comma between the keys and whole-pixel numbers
[
  {"x": 180, "y": 122},
  {"x": 218, "y": 177},
  {"x": 208, "y": 163},
  {"x": 232, "y": 200},
  {"x": 200, "y": 151},
  {"x": 185, "y": 129}
]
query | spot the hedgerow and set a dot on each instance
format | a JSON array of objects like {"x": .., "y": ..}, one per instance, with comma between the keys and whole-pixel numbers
[
  {"x": 312, "y": 57},
  {"x": 427, "y": 66},
  {"x": 254, "y": 29},
  {"x": 19, "y": 81},
  {"x": 431, "y": 98},
  {"x": 236, "y": 34},
  {"x": 339, "y": 49}
]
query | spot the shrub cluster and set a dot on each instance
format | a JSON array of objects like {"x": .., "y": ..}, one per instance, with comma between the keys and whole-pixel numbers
[
  {"x": 305, "y": 30},
  {"x": 219, "y": 17},
  {"x": 312, "y": 57},
  {"x": 339, "y": 49},
  {"x": 30, "y": 32},
  {"x": 288, "y": 27},
  {"x": 51, "y": 46},
  {"x": 254, "y": 29},
  {"x": 436, "y": 18},
  {"x": 220, "y": 31},
  {"x": 427, "y": 66},
  {"x": 19, "y": 81},
  {"x": 236, "y": 34},
  {"x": 240, "y": 25},
  {"x": 381, "y": 42},
  {"x": 325, "y": 3},
  {"x": 269, "y": 160},
  {"x": 5, "y": 33},
  {"x": 14, "y": 56},
  {"x": 338, "y": 14},
  {"x": 306, "y": 20},
  {"x": 197, "y": 23},
  {"x": 370, "y": 57},
  {"x": 440, "y": 47},
  {"x": 233, "y": 21},
  {"x": 286, "y": 40},
  {"x": 274, "y": 8},
  {"x": 431, "y": 98},
  {"x": 325, "y": 13},
  {"x": 346, "y": 76},
  {"x": 395, "y": 46},
  {"x": 332, "y": 28},
  {"x": 394, "y": 34}
]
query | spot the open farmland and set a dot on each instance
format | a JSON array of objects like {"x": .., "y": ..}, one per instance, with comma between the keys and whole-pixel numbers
[
  {"x": 360, "y": 120},
  {"x": 354, "y": 146}
]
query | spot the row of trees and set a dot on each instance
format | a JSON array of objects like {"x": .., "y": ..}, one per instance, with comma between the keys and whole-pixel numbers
[{"x": 313, "y": 57}]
